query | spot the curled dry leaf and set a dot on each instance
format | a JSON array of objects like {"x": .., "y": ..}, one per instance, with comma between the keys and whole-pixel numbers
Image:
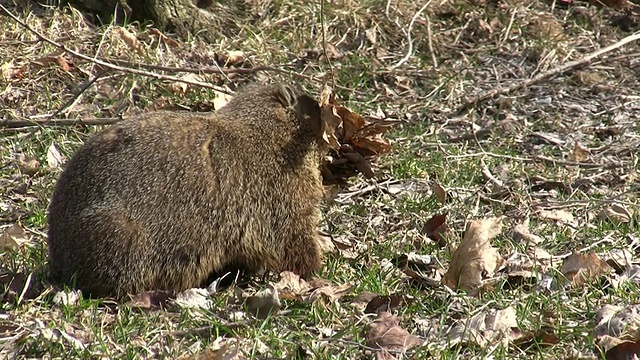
[
  {"x": 29, "y": 166},
  {"x": 486, "y": 328},
  {"x": 235, "y": 57},
  {"x": 581, "y": 268},
  {"x": 130, "y": 39},
  {"x": 618, "y": 321},
  {"x": 194, "y": 299},
  {"x": 580, "y": 152},
  {"x": 13, "y": 237},
  {"x": 352, "y": 140},
  {"x": 475, "y": 260},
  {"x": 325, "y": 241},
  {"x": 153, "y": 299},
  {"x": 162, "y": 38},
  {"x": 385, "y": 333},
  {"x": 54, "y": 158},
  {"x": 558, "y": 215},
  {"x": 330, "y": 293},
  {"x": 51, "y": 60},
  {"x": 615, "y": 213},
  {"x": 435, "y": 227},
  {"x": 292, "y": 287},
  {"x": 616, "y": 349},
  {"x": 521, "y": 234},
  {"x": 222, "y": 349},
  {"x": 264, "y": 302},
  {"x": 386, "y": 303},
  {"x": 440, "y": 192},
  {"x": 544, "y": 337}
]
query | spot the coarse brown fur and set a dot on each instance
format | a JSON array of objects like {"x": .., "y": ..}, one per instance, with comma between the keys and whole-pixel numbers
[{"x": 165, "y": 200}]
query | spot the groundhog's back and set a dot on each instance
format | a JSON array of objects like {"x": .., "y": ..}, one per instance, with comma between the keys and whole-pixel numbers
[{"x": 163, "y": 201}]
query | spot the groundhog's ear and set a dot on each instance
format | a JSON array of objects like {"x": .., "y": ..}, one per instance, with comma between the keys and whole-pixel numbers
[{"x": 287, "y": 95}]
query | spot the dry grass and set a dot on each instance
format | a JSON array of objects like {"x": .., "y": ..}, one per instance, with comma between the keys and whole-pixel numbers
[{"x": 507, "y": 156}]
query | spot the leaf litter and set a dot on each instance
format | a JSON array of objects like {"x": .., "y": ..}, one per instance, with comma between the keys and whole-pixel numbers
[{"x": 571, "y": 153}]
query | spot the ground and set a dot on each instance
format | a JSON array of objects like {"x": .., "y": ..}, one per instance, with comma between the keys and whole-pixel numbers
[{"x": 543, "y": 178}]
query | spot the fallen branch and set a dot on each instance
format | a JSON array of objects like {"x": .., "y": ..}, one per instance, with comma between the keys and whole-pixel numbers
[
  {"x": 13, "y": 124},
  {"x": 109, "y": 65},
  {"x": 279, "y": 69},
  {"x": 545, "y": 75}
]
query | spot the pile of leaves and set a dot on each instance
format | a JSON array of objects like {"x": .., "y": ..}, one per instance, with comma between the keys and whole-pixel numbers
[{"x": 354, "y": 142}]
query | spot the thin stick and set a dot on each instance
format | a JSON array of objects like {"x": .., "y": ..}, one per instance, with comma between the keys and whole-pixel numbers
[
  {"x": 430, "y": 42},
  {"x": 324, "y": 44},
  {"x": 13, "y": 124},
  {"x": 109, "y": 65},
  {"x": 547, "y": 74},
  {"x": 409, "y": 39},
  {"x": 79, "y": 93}
]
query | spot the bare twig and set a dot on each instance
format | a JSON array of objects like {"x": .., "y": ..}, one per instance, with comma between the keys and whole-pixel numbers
[
  {"x": 13, "y": 124},
  {"x": 430, "y": 43},
  {"x": 546, "y": 74},
  {"x": 409, "y": 39},
  {"x": 109, "y": 65},
  {"x": 324, "y": 44},
  {"x": 79, "y": 93}
]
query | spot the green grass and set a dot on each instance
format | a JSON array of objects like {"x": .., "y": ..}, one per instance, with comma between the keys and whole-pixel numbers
[{"x": 380, "y": 225}]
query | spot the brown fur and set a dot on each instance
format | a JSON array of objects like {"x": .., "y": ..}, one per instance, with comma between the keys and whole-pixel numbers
[{"x": 165, "y": 200}]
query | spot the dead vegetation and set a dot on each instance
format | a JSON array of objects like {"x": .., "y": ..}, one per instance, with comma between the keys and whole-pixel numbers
[{"x": 502, "y": 226}]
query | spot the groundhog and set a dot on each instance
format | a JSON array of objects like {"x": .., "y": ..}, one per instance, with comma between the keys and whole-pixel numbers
[{"x": 167, "y": 199}]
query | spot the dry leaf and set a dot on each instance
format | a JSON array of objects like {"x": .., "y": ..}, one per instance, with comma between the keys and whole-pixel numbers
[
  {"x": 221, "y": 99},
  {"x": 385, "y": 333},
  {"x": 544, "y": 337},
  {"x": 13, "y": 237},
  {"x": 331, "y": 121},
  {"x": 163, "y": 38},
  {"x": 559, "y": 215},
  {"x": 521, "y": 234},
  {"x": 17, "y": 285},
  {"x": 475, "y": 260},
  {"x": 291, "y": 286},
  {"x": 486, "y": 328},
  {"x": 439, "y": 191},
  {"x": 194, "y": 299},
  {"x": 181, "y": 88},
  {"x": 326, "y": 242},
  {"x": 49, "y": 60},
  {"x": 67, "y": 298},
  {"x": 264, "y": 302},
  {"x": 369, "y": 140},
  {"x": 128, "y": 38},
  {"x": 386, "y": 303},
  {"x": 329, "y": 292},
  {"x": 228, "y": 350},
  {"x": 580, "y": 153},
  {"x": 29, "y": 166},
  {"x": 615, "y": 213},
  {"x": 9, "y": 71},
  {"x": 54, "y": 158},
  {"x": 154, "y": 299},
  {"x": 623, "y": 350},
  {"x": 235, "y": 57},
  {"x": 580, "y": 268},
  {"x": 435, "y": 227},
  {"x": 618, "y": 321},
  {"x": 353, "y": 141}
]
